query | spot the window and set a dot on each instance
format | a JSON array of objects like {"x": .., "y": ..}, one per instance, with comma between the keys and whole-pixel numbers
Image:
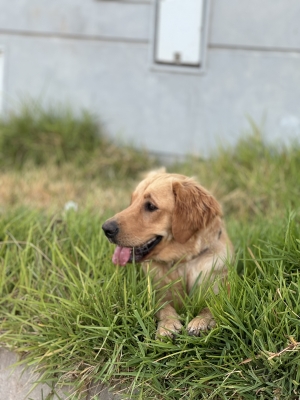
[{"x": 179, "y": 33}]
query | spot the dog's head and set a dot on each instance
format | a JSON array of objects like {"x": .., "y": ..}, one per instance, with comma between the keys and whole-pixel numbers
[{"x": 165, "y": 209}]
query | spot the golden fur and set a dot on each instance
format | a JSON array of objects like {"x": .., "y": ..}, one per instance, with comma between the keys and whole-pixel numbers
[{"x": 193, "y": 243}]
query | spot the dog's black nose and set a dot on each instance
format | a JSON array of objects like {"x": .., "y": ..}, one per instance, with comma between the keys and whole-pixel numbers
[{"x": 110, "y": 228}]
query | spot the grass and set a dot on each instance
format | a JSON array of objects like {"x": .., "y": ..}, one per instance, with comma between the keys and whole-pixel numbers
[
  {"x": 34, "y": 136},
  {"x": 78, "y": 319}
]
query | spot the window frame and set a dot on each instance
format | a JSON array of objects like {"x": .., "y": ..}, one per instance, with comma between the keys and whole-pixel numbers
[{"x": 180, "y": 68}]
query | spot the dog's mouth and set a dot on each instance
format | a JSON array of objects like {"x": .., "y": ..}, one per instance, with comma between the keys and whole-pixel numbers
[{"x": 124, "y": 255}]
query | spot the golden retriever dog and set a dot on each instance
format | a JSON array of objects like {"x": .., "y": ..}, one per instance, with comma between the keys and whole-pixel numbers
[{"x": 174, "y": 227}]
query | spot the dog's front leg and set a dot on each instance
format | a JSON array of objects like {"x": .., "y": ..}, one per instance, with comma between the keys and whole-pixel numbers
[
  {"x": 168, "y": 322},
  {"x": 203, "y": 322}
]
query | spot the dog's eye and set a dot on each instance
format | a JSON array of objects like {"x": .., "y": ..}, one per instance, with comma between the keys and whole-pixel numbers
[{"x": 150, "y": 207}]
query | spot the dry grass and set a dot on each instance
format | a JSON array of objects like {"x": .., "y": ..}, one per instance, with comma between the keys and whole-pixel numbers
[{"x": 51, "y": 187}]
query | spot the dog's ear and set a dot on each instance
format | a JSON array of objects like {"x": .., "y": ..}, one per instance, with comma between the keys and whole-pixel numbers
[{"x": 194, "y": 209}]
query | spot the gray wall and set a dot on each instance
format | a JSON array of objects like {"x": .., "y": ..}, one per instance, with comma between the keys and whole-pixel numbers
[{"x": 97, "y": 55}]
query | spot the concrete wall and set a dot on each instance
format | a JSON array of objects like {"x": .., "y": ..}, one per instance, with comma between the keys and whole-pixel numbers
[{"x": 97, "y": 55}]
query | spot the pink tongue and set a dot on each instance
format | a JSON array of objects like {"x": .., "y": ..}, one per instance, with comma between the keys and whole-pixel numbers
[{"x": 121, "y": 255}]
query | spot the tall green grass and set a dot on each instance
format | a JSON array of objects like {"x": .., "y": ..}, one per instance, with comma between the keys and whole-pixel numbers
[
  {"x": 38, "y": 136},
  {"x": 79, "y": 319}
]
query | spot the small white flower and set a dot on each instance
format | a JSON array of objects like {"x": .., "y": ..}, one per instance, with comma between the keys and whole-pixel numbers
[{"x": 71, "y": 205}]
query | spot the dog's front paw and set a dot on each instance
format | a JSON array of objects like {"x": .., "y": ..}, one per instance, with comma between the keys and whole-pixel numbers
[
  {"x": 168, "y": 328},
  {"x": 203, "y": 322}
]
